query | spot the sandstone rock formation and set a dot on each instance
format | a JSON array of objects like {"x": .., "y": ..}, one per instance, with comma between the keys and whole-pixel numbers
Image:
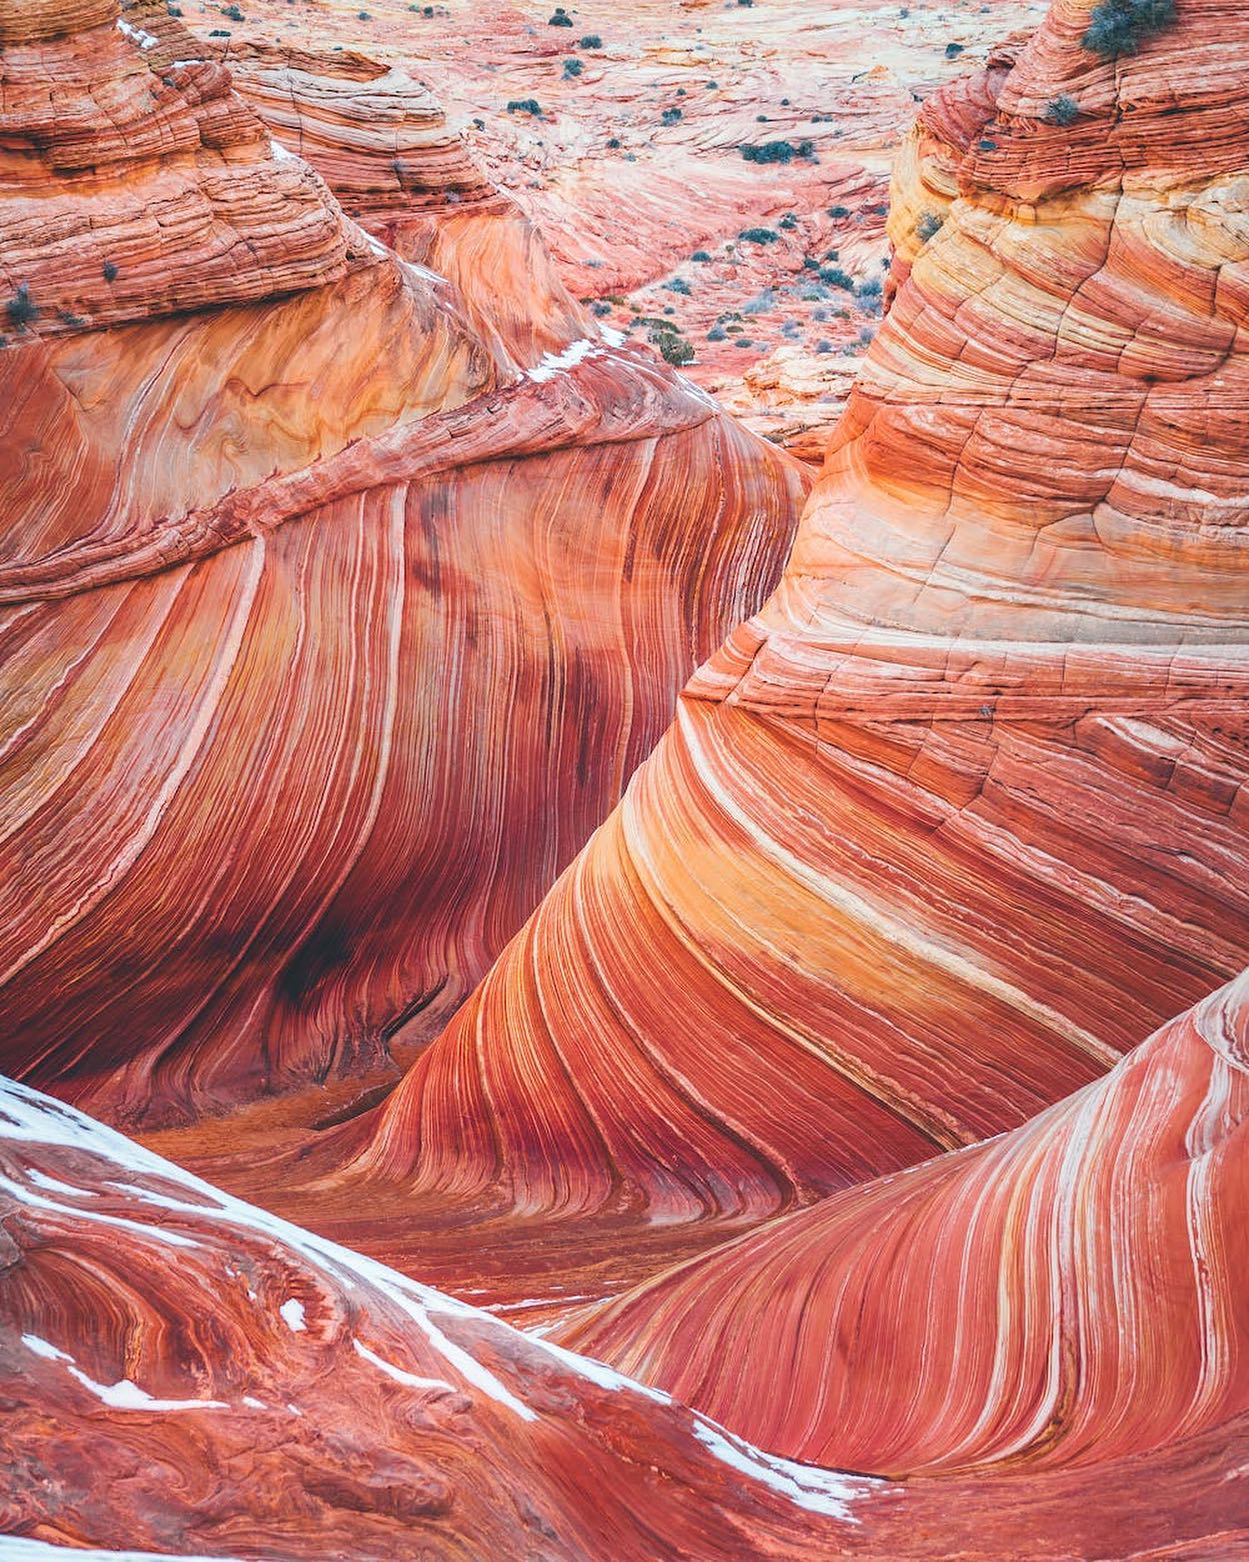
[
  {"x": 961, "y": 814},
  {"x": 1066, "y": 1295},
  {"x": 179, "y": 1369},
  {"x": 314, "y": 607}
]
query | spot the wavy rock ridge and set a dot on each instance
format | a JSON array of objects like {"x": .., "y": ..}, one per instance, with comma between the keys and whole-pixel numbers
[
  {"x": 347, "y": 608},
  {"x": 179, "y": 1368},
  {"x": 1098, "y": 1312},
  {"x": 243, "y": 1387},
  {"x": 961, "y": 814}
]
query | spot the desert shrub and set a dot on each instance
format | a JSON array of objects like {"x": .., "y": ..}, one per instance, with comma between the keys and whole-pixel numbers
[
  {"x": 700, "y": 254},
  {"x": 560, "y": 19},
  {"x": 233, "y": 12},
  {"x": 838, "y": 211},
  {"x": 1062, "y": 111},
  {"x": 1118, "y": 26},
  {"x": 928, "y": 226},
  {"x": 953, "y": 50},
  {"x": 776, "y": 151},
  {"x": 717, "y": 334},
  {"x": 836, "y": 277},
  {"x": 675, "y": 349},
  {"x": 788, "y": 221},
  {"x": 670, "y": 116},
  {"x": 759, "y": 235},
  {"x": 591, "y": 41},
  {"x": 600, "y": 307},
  {"x": 678, "y": 285},
  {"x": 110, "y": 271},
  {"x": 21, "y": 308},
  {"x": 870, "y": 287},
  {"x": 572, "y": 68},
  {"x": 613, "y": 142},
  {"x": 525, "y": 106}
]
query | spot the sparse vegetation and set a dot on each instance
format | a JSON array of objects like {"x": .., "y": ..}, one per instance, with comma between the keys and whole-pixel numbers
[
  {"x": 928, "y": 226},
  {"x": 110, "y": 271},
  {"x": 670, "y": 116},
  {"x": 1118, "y": 26},
  {"x": 953, "y": 50},
  {"x": 560, "y": 19},
  {"x": 776, "y": 151},
  {"x": 525, "y": 106},
  {"x": 21, "y": 308},
  {"x": 717, "y": 334},
  {"x": 233, "y": 12},
  {"x": 1062, "y": 111},
  {"x": 836, "y": 277},
  {"x": 572, "y": 68},
  {"x": 591, "y": 41},
  {"x": 678, "y": 285},
  {"x": 700, "y": 254},
  {"x": 789, "y": 221},
  {"x": 759, "y": 235},
  {"x": 838, "y": 211},
  {"x": 675, "y": 349}
]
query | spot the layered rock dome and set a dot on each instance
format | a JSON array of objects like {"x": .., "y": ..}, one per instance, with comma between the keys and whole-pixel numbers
[
  {"x": 1098, "y": 1313},
  {"x": 315, "y": 601}
]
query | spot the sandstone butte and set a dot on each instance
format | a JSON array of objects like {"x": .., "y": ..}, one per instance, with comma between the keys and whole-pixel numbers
[
  {"x": 959, "y": 817},
  {"x": 814, "y": 1093},
  {"x": 339, "y": 594}
]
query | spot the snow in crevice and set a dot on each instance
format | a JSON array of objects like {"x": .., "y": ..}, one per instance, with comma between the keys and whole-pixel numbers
[
  {"x": 123, "y": 1395},
  {"x": 292, "y": 1313},
  {"x": 14, "y": 1548},
  {"x": 138, "y": 35},
  {"x": 28, "y": 1117},
  {"x": 552, "y": 364},
  {"x": 398, "y": 1373}
]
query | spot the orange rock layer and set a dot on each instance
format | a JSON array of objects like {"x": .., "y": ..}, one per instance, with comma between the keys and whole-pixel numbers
[
  {"x": 179, "y": 1369},
  {"x": 182, "y": 1370},
  {"x": 329, "y": 635},
  {"x": 961, "y": 815},
  {"x": 1068, "y": 1294}
]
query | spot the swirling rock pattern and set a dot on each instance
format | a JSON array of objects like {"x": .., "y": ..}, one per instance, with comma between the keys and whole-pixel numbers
[
  {"x": 265, "y": 570},
  {"x": 384, "y": 146},
  {"x": 182, "y": 1369},
  {"x": 1067, "y": 1294},
  {"x": 961, "y": 815}
]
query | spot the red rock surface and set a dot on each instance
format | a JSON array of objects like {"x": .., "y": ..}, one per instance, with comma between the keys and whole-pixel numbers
[
  {"x": 179, "y": 1369},
  {"x": 352, "y": 570},
  {"x": 184, "y": 1372},
  {"x": 948, "y": 827},
  {"x": 1067, "y": 1294},
  {"x": 315, "y": 609}
]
